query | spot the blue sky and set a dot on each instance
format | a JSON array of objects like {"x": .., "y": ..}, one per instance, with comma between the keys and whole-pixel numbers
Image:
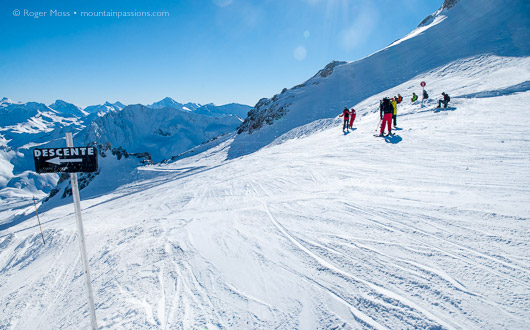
[{"x": 202, "y": 51}]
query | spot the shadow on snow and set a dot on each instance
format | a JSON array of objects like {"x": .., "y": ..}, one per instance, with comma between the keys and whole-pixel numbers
[
  {"x": 394, "y": 139},
  {"x": 519, "y": 88}
]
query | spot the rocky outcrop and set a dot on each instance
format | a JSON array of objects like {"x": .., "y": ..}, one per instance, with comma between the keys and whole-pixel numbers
[
  {"x": 328, "y": 69},
  {"x": 266, "y": 111},
  {"x": 448, "y": 4}
]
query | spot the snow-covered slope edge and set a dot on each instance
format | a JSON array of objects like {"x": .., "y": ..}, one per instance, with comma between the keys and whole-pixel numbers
[{"x": 470, "y": 28}]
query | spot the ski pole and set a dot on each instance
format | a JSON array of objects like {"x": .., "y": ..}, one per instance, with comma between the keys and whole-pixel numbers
[
  {"x": 36, "y": 211},
  {"x": 378, "y": 125}
]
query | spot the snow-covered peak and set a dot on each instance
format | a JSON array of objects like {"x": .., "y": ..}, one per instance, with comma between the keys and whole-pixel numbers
[
  {"x": 5, "y": 100},
  {"x": 168, "y": 102},
  {"x": 119, "y": 105},
  {"x": 66, "y": 108},
  {"x": 191, "y": 106},
  {"x": 60, "y": 103},
  {"x": 102, "y": 109},
  {"x": 116, "y": 105}
]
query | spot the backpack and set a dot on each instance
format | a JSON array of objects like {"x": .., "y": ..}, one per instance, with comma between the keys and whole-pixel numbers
[{"x": 387, "y": 106}]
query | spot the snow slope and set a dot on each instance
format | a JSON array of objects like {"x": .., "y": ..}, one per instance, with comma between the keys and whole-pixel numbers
[
  {"x": 428, "y": 229},
  {"x": 471, "y": 28}
]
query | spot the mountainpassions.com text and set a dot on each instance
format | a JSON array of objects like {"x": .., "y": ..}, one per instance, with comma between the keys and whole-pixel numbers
[
  {"x": 104, "y": 13},
  {"x": 119, "y": 14}
]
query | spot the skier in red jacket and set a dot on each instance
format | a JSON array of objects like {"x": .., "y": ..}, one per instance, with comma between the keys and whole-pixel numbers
[{"x": 353, "y": 114}]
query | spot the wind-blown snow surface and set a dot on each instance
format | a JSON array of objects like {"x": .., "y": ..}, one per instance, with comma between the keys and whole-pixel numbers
[{"x": 429, "y": 229}]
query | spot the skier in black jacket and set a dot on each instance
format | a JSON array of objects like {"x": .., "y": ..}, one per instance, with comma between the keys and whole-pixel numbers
[
  {"x": 386, "y": 111},
  {"x": 444, "y": 101},
  {"x": 346, "y": 114}
]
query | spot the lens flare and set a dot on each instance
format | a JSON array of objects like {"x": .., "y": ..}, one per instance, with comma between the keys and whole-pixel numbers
[{"x": 300, "y": 53}]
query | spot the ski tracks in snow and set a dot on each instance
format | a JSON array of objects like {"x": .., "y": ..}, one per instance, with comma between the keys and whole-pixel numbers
[
  {"x": 380, "y": 290},
  {"x": 386, "y": 219}
]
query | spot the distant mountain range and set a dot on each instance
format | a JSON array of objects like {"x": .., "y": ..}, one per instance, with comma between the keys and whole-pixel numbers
[
  {"x": 68, "y": 109},
  {"x": 159, "y": 131}
]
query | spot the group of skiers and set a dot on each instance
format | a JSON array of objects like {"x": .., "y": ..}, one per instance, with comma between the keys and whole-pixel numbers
[
  {"x": 388, "y": 111},
  {"x": 415, "y": 97}
]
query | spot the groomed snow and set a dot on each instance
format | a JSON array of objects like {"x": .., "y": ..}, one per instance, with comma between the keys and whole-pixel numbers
[{"x": 429, "y": 229}]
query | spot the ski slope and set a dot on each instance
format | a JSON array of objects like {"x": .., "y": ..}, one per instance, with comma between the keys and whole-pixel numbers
[
  {"x": 428, "y": 229},
  {"x": 472, "y": 28}
]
